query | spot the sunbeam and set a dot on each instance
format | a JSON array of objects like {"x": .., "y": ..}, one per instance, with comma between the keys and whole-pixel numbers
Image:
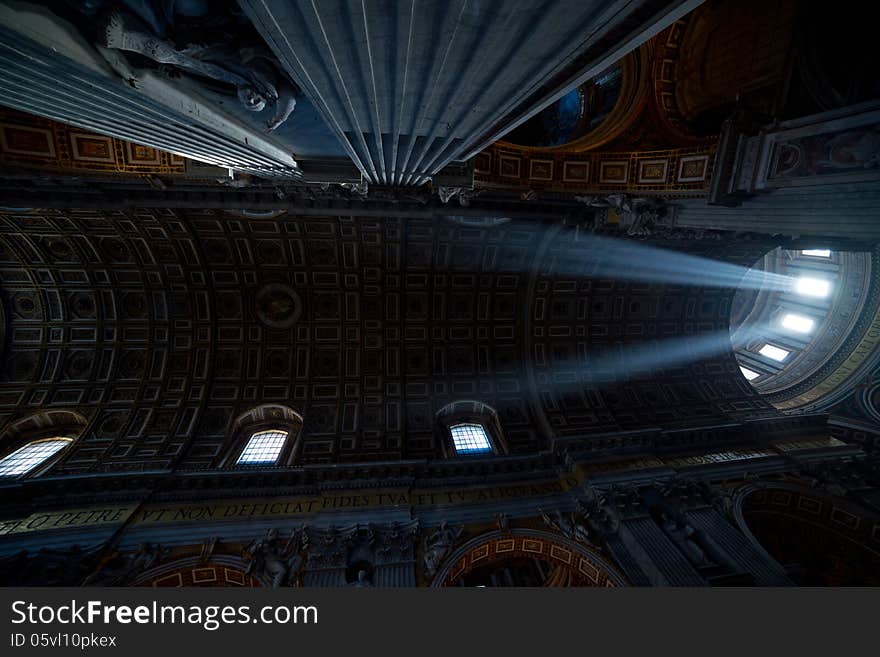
[
  {"x": 625, "y": 362},
  {"x": 611, "y": 258}
]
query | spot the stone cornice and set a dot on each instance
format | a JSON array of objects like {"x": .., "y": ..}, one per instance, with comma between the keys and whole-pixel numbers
[{"x": 623, "y": 454}]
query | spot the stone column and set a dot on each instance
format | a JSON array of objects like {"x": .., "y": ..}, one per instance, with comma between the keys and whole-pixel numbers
[
  {"x": 667, "y": 559},
  {"x": 641, "y": 548},
  {"x": 732, "y": 546}
]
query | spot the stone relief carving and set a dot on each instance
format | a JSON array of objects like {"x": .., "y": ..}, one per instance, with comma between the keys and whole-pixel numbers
[
  {"x": 332, "y": 547},
  {"x": 599, "y": 515},
  {"x": 837, "y": 481},
  {"x": 647, "y": 217},
  {"x": 438, "y": 545},
  {"x": 722, "y": 499},
  {"x": 277, "y": 560},
  {"x": 464, "y": 195},
  {"x": 569, "y": 525},
  {"x": 117, "y": 569},
  {"x": 396, "y": 541}
]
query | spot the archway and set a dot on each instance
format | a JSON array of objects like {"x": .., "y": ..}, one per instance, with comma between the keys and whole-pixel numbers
[
  {"x": 806, "y": 337},
  {"x": 523, "y": 557},
  {"x": 820, "y": 539},
  {"x": 192, "y": 572}
]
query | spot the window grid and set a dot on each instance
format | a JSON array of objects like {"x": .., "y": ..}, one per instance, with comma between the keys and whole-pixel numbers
[
  {"x": 263, "y": 448},
  {"x": 470, "y": 439},
  {"x": 29, "y": 456}
]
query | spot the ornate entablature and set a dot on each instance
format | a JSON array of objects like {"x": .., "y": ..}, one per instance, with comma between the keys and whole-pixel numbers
[{"x": 710, "y": 522}]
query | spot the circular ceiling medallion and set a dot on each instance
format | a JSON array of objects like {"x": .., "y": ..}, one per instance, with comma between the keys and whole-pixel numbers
[{"x": 278, "y": 306}]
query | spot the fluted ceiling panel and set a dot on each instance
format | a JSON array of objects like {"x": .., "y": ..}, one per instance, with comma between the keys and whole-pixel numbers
[{"x": 409, "y": 85}]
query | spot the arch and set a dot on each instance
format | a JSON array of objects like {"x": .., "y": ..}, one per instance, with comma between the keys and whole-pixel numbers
[
  {"x": 633, "y": 80},
  {"x": 832, "y": 523},
  {"x": 470, "y": 412},
  {"x": 264, "y": 418},
  {"x": 583, "y": 565},
  {"x": 39, "y": 427},
  {"x": 220, "y": 571},
  {"x": 837, "y": 296}
]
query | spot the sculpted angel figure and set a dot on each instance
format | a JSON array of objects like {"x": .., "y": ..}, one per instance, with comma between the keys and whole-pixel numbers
[
  {"x": 438, "y": 545},
  {"x": 274, "y": 559},
  {"x": 253, "y": 71}
]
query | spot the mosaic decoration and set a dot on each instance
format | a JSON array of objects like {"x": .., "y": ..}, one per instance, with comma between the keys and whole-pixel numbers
[{"x": 37, "y": 143}]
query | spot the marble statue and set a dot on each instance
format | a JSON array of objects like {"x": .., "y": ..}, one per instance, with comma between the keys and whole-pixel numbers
[
  {"x": 569, "y": 526},
  {"x": 438, "y": 545},
  {"x": 362, "y": 580},
  {"x": 275, "y": 560},
  {"x": 147, "y": 29}
]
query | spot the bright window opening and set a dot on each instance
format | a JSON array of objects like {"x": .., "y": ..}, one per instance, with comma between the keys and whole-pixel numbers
[
  {"x": 470, "y": 439},
  {"x": 750, "y": 375},
  {"x": 776, "y": 353},
  {"x": 798, "y": 323},
  {"x": 813, "y": 287},
  {"x": 263, "y": 448},
  {"x": 28, "y": 457},
  {"x": 818, "y": 253}
]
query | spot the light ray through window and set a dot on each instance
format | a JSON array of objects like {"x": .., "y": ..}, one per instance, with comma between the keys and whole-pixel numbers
[
  {"x": 797, "y": 323},
  {"x": 813, "y": 287}
]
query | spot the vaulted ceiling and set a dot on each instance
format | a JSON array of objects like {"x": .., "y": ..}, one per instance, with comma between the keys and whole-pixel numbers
[{"x": 163, "y": 326}]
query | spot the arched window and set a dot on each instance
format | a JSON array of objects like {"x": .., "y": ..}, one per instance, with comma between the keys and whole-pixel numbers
[
  {"x": 30, "y": 445},
  {"x": 470, "y": 428},
  {"x": 263, "y": 448},
  {"x": 31, "y": 455},
  {"x": 802, "y": 338},
  {"x": 265, "y": 436},
  {"x": 469, "y": 438}
]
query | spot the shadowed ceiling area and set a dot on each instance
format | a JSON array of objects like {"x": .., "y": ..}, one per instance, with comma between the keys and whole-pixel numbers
[{"x": 164, "y": 326}]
